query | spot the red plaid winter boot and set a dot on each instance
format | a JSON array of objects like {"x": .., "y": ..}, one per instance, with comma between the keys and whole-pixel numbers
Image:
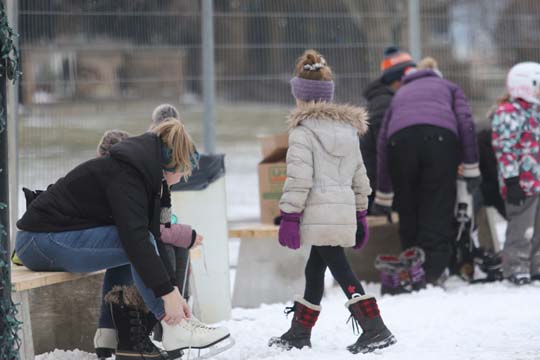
[
  {"x": 375, "y": 335},
  {"x": 299, "y": 335}
]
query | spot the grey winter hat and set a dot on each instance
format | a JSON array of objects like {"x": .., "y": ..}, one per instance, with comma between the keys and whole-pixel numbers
[
  {"x": 110, "y": 138},
  {"x": 312, "y": 90},
  {"x": 163, "y": 112}
]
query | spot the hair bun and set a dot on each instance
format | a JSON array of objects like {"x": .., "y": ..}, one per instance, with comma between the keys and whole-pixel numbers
[{"x": 312, "y": 65}]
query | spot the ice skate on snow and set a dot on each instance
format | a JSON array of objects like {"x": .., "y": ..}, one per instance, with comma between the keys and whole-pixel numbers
[
  {"x": 375, "y": 335},
  {"x": 299, "y": 334},
  {"x": 133, "y": 323},
  {"x": 191, "y": 334},
  {"x": 490, "y": 263},
  {"x": 395, "y": 278},
  {"x": 520, "y": 279}
]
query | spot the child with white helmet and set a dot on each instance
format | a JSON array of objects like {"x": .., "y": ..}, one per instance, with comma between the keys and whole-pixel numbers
[{"x": 516, "y": 141}]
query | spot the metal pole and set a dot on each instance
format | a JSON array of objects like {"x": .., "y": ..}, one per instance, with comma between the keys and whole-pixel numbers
[
  {"x": 415, "y": 47},
  {"x": 208, "y": 73},
  {"x": 12, "y": 10}
]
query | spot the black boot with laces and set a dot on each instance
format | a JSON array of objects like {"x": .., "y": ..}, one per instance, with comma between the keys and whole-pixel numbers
[
  {"x": 375, "y": 335},
  {"x": 299, "y": 334},
  {"x": 133, "y": 323}
]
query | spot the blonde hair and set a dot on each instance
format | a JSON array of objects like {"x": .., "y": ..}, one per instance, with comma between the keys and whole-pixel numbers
[
  {"x": 428, "y": 63},
  {"x": 110, "y": 137},
  {"x": 312, "y": 57},
  {"x": 174, "y": 135}
]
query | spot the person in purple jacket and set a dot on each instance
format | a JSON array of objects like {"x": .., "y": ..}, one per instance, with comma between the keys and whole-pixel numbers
[{"x": 428, "y": 131}]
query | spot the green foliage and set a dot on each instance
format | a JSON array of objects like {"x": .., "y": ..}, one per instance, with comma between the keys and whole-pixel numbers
[{"x": 9, "y": 325}]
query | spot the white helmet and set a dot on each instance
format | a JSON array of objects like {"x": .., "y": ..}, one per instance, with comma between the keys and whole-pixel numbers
[{"x": 523, "y": 81}]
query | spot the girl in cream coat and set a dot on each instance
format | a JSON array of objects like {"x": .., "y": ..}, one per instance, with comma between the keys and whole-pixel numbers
[{"x": 324, "y": 204}]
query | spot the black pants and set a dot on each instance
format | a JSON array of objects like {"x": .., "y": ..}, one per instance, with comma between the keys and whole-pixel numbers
[
  {"x": 423, "y": 163},
  {"x": 334, "y": 258}
]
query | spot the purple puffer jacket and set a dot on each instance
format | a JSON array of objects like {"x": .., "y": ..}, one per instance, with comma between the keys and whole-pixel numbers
[{"x": 427, "y": 99}]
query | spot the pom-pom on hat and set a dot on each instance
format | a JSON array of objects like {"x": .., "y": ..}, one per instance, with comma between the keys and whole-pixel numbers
[{"x": 394, "y": 64}]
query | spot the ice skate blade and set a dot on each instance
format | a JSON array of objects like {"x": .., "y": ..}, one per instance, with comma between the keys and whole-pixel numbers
[
  {"x": 213, "y": 351},
  {"x": 389, "y": 341}
]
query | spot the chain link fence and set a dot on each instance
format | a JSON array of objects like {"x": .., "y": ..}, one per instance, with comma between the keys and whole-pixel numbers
[{"x": 89, "y": 66}]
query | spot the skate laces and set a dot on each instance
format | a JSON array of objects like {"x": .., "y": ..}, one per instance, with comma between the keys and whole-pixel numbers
[
  {"x": 355, "y": 324},
  {"x": 197, "y": 324},
  {"x": 288, "y": 310}
]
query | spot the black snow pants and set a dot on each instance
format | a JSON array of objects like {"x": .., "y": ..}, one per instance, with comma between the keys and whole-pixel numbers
[{"x": 423, "y": 162}]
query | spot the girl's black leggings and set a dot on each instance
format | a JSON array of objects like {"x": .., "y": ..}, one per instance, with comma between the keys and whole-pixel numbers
[{"x": 334, "y": 258}]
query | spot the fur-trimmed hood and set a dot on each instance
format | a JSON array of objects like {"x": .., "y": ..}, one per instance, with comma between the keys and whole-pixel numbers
[{"x": 356, "y": 116}]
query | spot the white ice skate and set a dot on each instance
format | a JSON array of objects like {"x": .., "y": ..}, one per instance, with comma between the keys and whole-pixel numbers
[{"x": 193, "y": 334}]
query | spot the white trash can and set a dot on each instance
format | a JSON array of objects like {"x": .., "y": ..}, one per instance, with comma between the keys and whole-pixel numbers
[{"x": 202, "y": 203}]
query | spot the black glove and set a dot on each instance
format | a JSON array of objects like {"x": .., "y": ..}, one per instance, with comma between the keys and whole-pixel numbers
[
  {"x": 381, "y": 210},
  {"x": 473, "y": 183},
  {"x": 514, "y": 193}
]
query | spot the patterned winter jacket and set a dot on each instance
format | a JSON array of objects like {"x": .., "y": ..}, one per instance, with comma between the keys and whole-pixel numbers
[{"x": 516, "y": 142}]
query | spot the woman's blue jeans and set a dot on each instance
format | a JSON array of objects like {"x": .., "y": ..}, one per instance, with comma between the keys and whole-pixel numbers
[{"x": 82, "y": 251}]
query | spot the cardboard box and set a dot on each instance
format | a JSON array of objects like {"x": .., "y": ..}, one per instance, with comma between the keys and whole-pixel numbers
[{"x": 272, "y": 174}]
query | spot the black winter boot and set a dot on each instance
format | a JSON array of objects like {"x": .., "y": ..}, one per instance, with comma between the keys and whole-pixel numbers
[
  {"x": 299, "y": 335},
  {"x": 375, "y": 335},
  {"x": 133, "y": 323}
]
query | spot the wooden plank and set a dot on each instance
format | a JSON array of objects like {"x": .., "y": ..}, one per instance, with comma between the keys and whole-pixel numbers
[
  {"x": 24, "y": 279},
  {"x": 258, "y": 230}
]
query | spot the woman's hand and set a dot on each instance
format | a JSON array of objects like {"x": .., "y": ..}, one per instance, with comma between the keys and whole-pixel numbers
[
  {"x": 198, "y": 241},
  {"x": 176, "y": 308}
]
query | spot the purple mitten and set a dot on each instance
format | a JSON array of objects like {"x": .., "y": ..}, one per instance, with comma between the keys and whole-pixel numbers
[
  {"x": 362, "y": 231},
  {"x": 289, "y": 230}
]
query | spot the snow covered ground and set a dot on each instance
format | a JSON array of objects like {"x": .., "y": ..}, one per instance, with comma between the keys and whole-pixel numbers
[{"x": 481, "y": 322}]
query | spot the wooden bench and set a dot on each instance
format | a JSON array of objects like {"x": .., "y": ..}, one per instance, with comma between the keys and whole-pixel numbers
[
  {"x": 23, "y": 281},
  {"x": 268, "y": 272}
]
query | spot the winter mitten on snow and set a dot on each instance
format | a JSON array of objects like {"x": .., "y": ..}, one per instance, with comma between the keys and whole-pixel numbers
[
  {"x": 362, "y": 230},
  {"x": 514, "y": 193},
  {"x": 413, "y": 258},
  {"x": 395, "y": 278},
  {"x": 289, "y": 230}
]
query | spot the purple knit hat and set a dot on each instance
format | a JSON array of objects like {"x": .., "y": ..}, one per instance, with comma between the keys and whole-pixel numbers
[{"x": 312, "y": 90}]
